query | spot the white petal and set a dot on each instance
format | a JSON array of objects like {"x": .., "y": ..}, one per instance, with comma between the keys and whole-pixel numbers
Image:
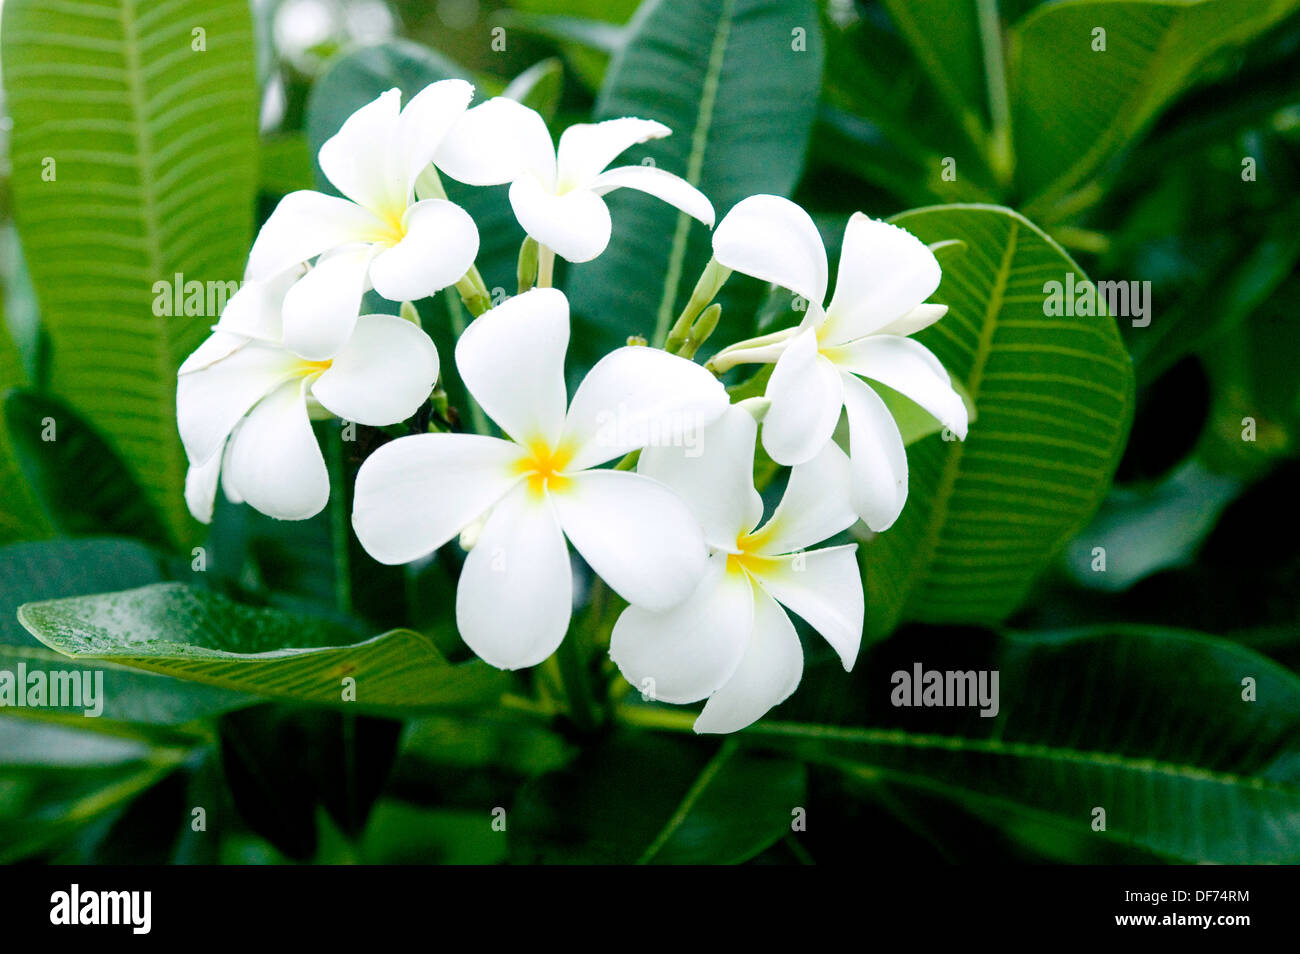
[
  {"x": 211, "y": 400},
  {"x": 825, "y": 588},
  {"x": 201, "y": 488},
  {"x": 321, "y": 308},
  {"x": 715, "y": 478},
  {"x": 806, "y": 398},
  {"x": 920, "y": 317},
  {"x": 275, "y": 460},
  {"x": 770, "y": 671},
  {"x": 497, "y": 142},
  {"x": 885, "y": 272},
  {"x": 305, "y": 224},
  {"x": 358, "y": 159},
  {"x": 637, "y": 535},
  {"x": 383, "y": 374},
  {"x": 672, "y": 189},
  {"x": 439, "y": 244},
  {"x": 687, "y": 653},
  {"x": 877, "y": 459},
  {"x": 640, "y": 397},
  {"x": 511, "y": 359},
  {"x": 416, "y": 493},
  {"x": 217, "y": 346},
  {"x": 255, "y": 310},
  {"x": 575, "y": 225},
  {"x": 587, "y": 148},
  {"x": 771, "y": 238},
  {"x": 816, "y": 504},
  {"x": 227, "y": 481},
  {"x": 516, "y": 589},
  {"x": 910, "y": 369},
  {"x": 424, "y": 124}
]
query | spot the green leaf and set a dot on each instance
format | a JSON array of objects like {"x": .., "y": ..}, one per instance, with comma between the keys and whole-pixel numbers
[
  {"x": 83, "y": 487},
  {"x": 1186, "y": 768},
  {"x": 284, "y": 764},
  {"x": 693, "y": 808},
  {"x": 49, "y": 569},
  {"x": 588, "y": 32},
  {"x": 60, "y": 568},
  {"x": 945, "y": 36},
  {"x": 204, "y": 637},
  {"x": 728, "y": 78},
  {"x": 55, "y": 780},
  {"x": 539, "y": 87},
  {"x": 1054, "y": 397},
  {"x": 285, "y": 164},
  {"x": 402, "y": 834},
  {"x": 879, "y": 123},
  {"x": 21, "y": 517},
  {"x": 1144, "y": 530},
  {"x": 1075, "y": 107},
  {"x": 134, "y": 160}
]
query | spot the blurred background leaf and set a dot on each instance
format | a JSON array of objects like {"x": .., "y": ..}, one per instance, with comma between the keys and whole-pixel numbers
[{"x": 135, "y": 160}]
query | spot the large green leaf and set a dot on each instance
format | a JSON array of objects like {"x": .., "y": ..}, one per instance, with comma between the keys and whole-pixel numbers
[
  {"x": 56, "y": 780},
  {"x": 1054, "y": 399},
  {"x": 82, "y": 486},
  {"x": 945, "y": 36},
  {"x": 693, "y": 808},
  {"x": 1192, "y": 767},
  {"x": 21, "y": 518},
  {"x": 728, "y": 77},
  {"x": 879, "y": 124},
  {"x": 1076, "y": 107},
  {"x": 201, "y": 636},
  {"x": 51, "y": 569},
  {"x": 135, "y": 160}
]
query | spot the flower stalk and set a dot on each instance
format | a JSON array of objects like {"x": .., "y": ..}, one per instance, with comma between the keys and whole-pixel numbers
[{"x": 706, "y": 289}]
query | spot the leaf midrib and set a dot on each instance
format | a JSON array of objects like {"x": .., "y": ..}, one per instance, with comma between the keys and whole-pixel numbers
[
  {"x": 144, "y": 155},
  {"x": 899, "y": 738},
  {"x": 694, "y": 168},
  {"x": 689, "y": 800},
  {"x": 923, "y": 554}
]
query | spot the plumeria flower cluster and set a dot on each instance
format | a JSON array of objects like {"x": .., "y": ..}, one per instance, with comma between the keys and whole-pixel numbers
[{"x": 646, "y": 470}]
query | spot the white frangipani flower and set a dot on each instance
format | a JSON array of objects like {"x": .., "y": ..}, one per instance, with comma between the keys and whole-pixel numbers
[
  {"x": 556, "y": 194},
  {"x": 378, "y": 236},
  {"x": 515, "y": 593},
  {"x": 731, "y": 642},
  {"x": 244, "y": 401},
  {"x": 885, "y": 275}
]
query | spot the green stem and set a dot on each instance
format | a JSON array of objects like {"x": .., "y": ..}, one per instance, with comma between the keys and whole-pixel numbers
[
  {"x": 706, "y": 289},
  {"x": 545, "y": 266},
  {"x": 580, "y": 700},
  {"x": 1001, "y": 159},
  {"x": 474, "y": 292},
  {"x": 340, "y": 526},
  {"x": 529, "y": 258},
  {"x": 655, "y": 717}
]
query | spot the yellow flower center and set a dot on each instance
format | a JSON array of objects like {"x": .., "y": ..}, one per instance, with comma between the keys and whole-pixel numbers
[
  {"x": 749, "y": 559},
  {"x": 544, "y": 466},
  {"x": 313, "y": 367}
]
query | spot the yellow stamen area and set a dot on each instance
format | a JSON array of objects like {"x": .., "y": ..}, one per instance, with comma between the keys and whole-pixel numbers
[
  {"x": 749, "y": 560},
  {"x": 314, "y": 367},
  {"x": 544, "y": 467}
]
